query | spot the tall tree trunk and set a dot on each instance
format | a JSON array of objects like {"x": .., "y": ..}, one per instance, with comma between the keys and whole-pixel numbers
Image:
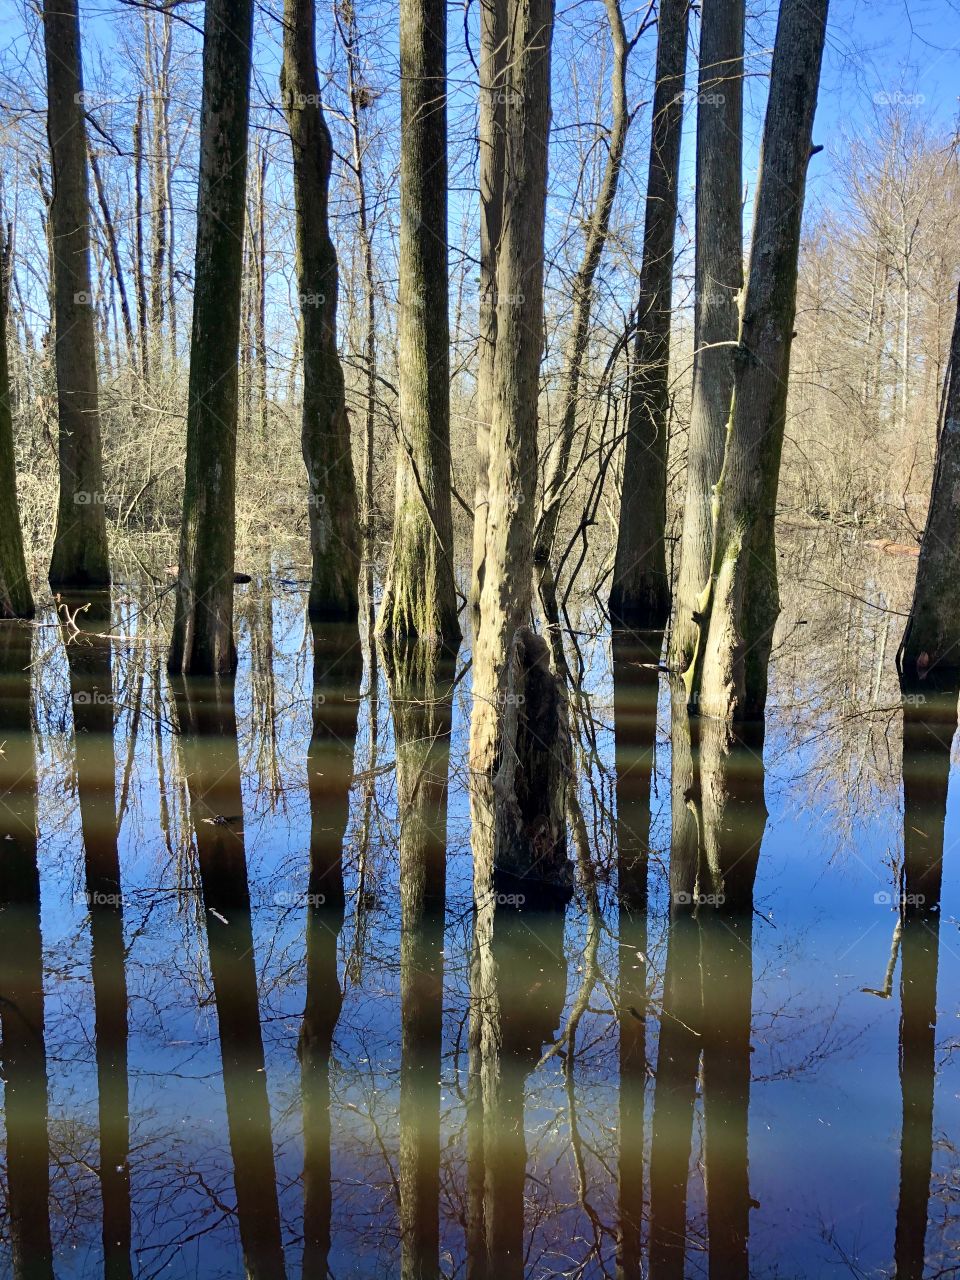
[
  {"x": 203, "y": 625},
  {"x": 16, "y": 598},
  {"x": 510, "y": 664},
  {"x": 718, "y": 282},
  {"x": 742, "y": 598},
  {"x": 492, "y": 140},
  {"x": 80, "y": 553},
  {"x": 420, "y": 598},
  {"x": 139, "y": 272},
  {"x": 640, "y": 595},
  {"x": 325, "y": 433},
  {"x": 931, "y": 641},
  {"x": 558, "y": 459}
]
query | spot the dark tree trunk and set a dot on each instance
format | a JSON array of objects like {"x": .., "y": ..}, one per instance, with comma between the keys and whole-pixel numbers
[
  {"x": 931, "y": 641},
  {"x": 202, "y": 642},
  {"x": 325, "y": 435},
  {"x": 640, "y": 595},
  {"x": 420, "y": 598},
  {"x": 80, "y": 554}
]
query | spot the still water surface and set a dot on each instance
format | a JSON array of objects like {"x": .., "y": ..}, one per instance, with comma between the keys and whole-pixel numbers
[{"x": 252, "y": 1024}]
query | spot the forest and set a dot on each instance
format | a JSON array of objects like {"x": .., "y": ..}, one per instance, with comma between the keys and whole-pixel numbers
[{"x": 479, "y": 639}]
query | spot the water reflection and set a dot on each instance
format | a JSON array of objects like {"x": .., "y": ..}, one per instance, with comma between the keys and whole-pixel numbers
[
  {"x": 89, "y": 658},
  {"x": 206, "y": 717},
  {"x": 598, "y": 1066},
  {"x": 337, "y": 672},
  {"x": 21, "y": 964},
  {"x": 929, "y": 723}
]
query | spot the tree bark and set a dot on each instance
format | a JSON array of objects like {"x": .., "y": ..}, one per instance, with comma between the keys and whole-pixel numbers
[
  {"x": 741, "y": 602},
  {"x": 80, "y": 553},
  {"x": 718, "y": 282},
  {"x": 203, "y": 624},
  {"x": 420, "y": 598},
  {"x": 16, "y": 598},
  {"x": 931, "y": 641},
  {"x": 640, "y": 595},
  {"x": 492, "y": 123},
  {"x": 325, "y": 435}
]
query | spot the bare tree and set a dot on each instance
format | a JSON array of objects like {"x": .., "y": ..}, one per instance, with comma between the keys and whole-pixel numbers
[
  {"x": 420, "y": 598},
  {"x": 325, "y": 434},
  {"x": 80, "y": 554},
  {"x": 203, "y": 625},
  {"x": 718, "y": 282},
  {"x": 640, "y": 595},
  {"x": 741, "y": 602}
]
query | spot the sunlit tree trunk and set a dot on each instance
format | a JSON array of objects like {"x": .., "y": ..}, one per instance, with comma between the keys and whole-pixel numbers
[
  {"x": 80, "y": 554},
  {"x": 492, "y": 122},
  {"x": 718, "y": 281},
  {"x": 931, "y": 641},
  {"x": 202, "y": 640},
  {"x": 518, "y": 770},
  {"x": 16, "y": 598},
  {"x": 420, "y": 598},
  {"x": 741, "y": 601},
  {"x": 640, "y": 595},
  {"x": 325, "y": 436}
]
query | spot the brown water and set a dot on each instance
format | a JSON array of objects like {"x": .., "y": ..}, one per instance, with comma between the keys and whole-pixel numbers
[{"x": 253, "y": 1025}]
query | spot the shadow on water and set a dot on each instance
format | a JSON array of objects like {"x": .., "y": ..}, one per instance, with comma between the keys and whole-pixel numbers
[{"x": 21, "y": 964}]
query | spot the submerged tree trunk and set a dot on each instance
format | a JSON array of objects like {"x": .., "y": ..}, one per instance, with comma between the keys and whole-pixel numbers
[
  {"x": 640, "y": 595},
  {"x": 202, "y": 640},
  {"x": 420, "y": 598},
  {"x": 80, "y": 554},
  {"x": 325, "y": 435},
  {"x": 931, "y": 641},
  {"x": 16, "y": 598},
  {"x": 492, "y": 140},
  {"x": 559, "y": 458},
  {"x": 741, "y": 601},
  {"x": 718, "y": 282}
]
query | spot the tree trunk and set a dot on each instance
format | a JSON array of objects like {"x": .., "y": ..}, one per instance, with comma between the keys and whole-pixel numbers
[
  {"x": 559, "y": 458},
  {"x": 203, "y": 625},
  {"x": 492, "y": 142},
  {"x": 16, "y": 598},
  {"x": 718, "y": 282},
  {"x": 420, "y": 598},
  {"x": 640, "y": 595},
  {"x": 741, "y": 602},
  {"x": 325, "y": 436},
  {"x": 931, "y": 641},
  {"x": 80, "y": 554},
  {"x": 506, "y": 595}
]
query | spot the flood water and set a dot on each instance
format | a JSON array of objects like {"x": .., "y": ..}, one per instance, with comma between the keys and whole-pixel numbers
[{"x": 253, "y": 1025}]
